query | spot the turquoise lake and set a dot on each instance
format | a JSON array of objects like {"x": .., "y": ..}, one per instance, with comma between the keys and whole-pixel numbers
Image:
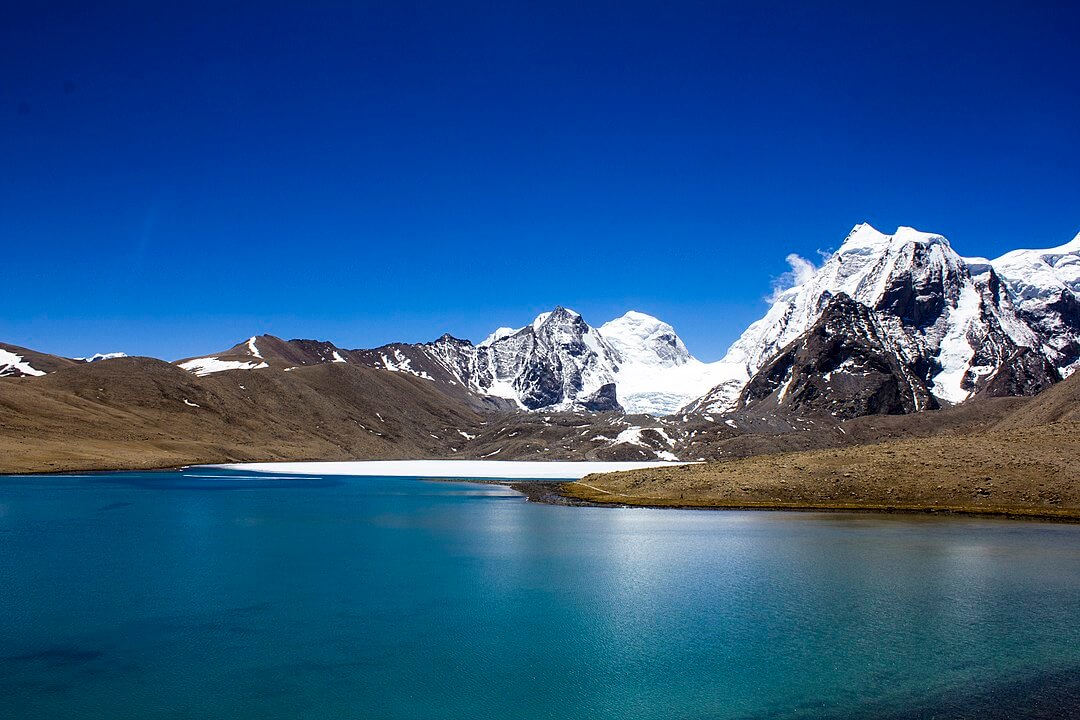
[{"x": 207, "y": 594}]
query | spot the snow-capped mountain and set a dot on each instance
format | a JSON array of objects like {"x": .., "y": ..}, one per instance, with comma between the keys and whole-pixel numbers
[
  {"x": 635, "y": 363},
  {"x": 1045, "y": 285},
  {"x": 889, "y": 323},
  {"x": 657, "y": 374},
  {"x": 97, "y": 357},
  {"x": 949, "y": 321},
  {"x": 559, "y": 362}
]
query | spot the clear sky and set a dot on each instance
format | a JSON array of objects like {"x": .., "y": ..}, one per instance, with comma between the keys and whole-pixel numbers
[{"x": 177, "y": 176}]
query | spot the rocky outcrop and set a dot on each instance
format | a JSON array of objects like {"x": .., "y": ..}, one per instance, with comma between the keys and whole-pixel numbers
[
  {"x": 844, "y": 366},
  {"x": 603, "y": 400},
  {"x": 1026, "y": 373}
]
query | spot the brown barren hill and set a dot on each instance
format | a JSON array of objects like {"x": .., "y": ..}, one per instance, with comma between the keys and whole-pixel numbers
[{"x": 145, "y": 413}]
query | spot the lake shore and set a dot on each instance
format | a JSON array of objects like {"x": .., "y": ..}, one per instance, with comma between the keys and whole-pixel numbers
[
  {"x": 573, "y": 493},
  {"x": 1020, "y": 473},
  {"x": 1016, "y": 473}
]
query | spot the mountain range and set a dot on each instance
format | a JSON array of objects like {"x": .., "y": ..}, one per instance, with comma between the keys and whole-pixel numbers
[{"x": 888, "y": 325}]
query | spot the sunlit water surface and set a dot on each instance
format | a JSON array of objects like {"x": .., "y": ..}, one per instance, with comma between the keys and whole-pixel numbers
[{"x": 167, "y": 595}]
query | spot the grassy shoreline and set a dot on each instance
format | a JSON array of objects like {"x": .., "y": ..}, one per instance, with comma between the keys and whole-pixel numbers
[
  {"x": 1018, "y": 472},
  {"x": 577, "y": 493}
]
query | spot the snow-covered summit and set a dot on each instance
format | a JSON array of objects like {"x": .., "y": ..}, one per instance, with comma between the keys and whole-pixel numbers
[
  {"x": 657, "y": 374},
  {"x": 499, "y": 334},
  {"x": 928, "y": 301},
  {"x": 558, "y": 361},
  {"x": 102, "y": 356},
  {"x": 560, "y": 356},
  {"x": 645, "y": 340},
  {"x": 861, "y": 268}
]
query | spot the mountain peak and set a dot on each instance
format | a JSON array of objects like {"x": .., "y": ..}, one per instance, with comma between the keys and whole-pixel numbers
[
  {"x": 640, "y": 317},
  {"x": 865, "y": 234},
  {"x": 916, "y": 284},
  {"x": 645, "y": 340},
  {"x": 866, "y": 239},
  {"x": 499, "y": 334},
  {"x": 560, "y": 315}
]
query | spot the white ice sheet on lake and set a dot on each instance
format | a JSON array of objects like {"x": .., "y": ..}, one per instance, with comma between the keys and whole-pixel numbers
[{"x": 481, "y": 469}]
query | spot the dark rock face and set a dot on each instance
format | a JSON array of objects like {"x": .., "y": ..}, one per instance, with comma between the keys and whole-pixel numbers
[
  {"x": 603, "y": 400},
  {"x": 1027, "y": 372},
  {"x": 1058, "y": 325},
  {"x": 918, "y": 295},
  {"x": 300, "y": 352},
  {"x": 541, "y": 384},
  {"x": 844, "y": 366},
  {"x": 993, "y": 347}
]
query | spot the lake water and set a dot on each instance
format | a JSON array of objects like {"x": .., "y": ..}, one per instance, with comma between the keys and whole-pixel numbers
[{"x": 166, "y": 595}]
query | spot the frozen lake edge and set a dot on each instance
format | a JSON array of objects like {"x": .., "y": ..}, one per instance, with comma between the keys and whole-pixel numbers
[{"x": 464, "y": 469}]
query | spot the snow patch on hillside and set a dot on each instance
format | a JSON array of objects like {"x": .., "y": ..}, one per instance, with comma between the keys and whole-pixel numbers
[
  {"x": 399, "y": 363},
  {"x": 14, "y": 364},
  {"x": 210, "y": 365}
]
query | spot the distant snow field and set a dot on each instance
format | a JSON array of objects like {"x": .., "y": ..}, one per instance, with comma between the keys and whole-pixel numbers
[{"x": 465, "y": 469}]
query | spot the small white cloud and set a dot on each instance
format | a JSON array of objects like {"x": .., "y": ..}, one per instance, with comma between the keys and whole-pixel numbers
[{"x": 801, "y": 271}]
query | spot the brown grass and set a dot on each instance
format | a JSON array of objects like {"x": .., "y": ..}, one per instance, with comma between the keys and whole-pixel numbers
[{"x": 1029, "y": 471}]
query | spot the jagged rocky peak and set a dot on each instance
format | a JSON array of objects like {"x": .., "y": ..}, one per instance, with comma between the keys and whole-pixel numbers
[
  {"x": 558, "y": 361},
  {"x": 910, "y": 274},
  {"x": 555, "y": 362},
  {"x": 949, "y": 321},
  {"x": 643, "y": 339},
  {"x": 446, "y": 339},
  {"x": 562, "y": 325}
]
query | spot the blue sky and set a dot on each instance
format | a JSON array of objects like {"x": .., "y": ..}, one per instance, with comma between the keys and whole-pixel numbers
[{"x": 175, "y": 177}]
